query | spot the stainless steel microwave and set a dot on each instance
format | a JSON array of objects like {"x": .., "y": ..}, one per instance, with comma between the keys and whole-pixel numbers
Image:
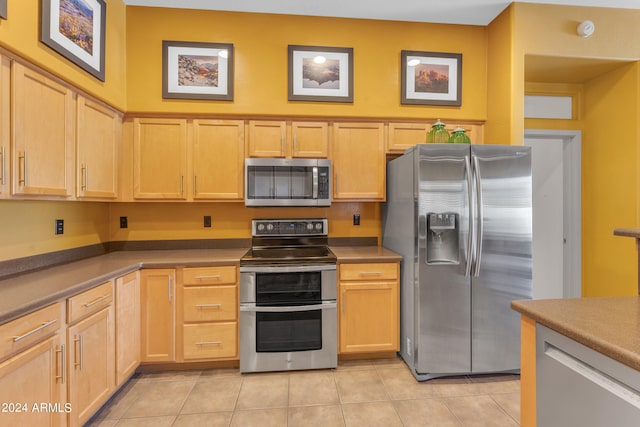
[{"x": 287, "y": 182}]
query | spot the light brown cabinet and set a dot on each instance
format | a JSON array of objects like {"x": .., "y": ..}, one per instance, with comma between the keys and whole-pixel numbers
[
  {"x": 35, "y": 377},
  {"x": 98, "y": 137},
  {"x": 403, "y": 136},
  {"x": 42, "y": 150},
  {"x": 158, "y": 315},
  {"x": 297, "y": 139},
  {"x": 359, "y": 163},
  {"x": 218, "y": 159},
  {"x": 32, "y": 368},
  {"x": 369, "y": 307},
  {"x": 209, "y": 313},
  {"x": 90, "y": 340},
  {"x": 5, "y": 126},
  {"x": 159, "y": 158},
  {"x": 127, "y": 341}
]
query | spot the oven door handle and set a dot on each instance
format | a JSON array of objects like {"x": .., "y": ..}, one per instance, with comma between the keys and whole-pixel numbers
[
  {"x": 288, "y": 309},
  {"x": 287, "y": 269}
]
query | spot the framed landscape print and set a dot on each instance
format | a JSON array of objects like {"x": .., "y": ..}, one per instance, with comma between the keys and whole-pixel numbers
[
  {"x": 195, "y": 70},
  {"x": 319, "y": 73},
  {"x": 76, "y": 30},
  {"x": 431, "y": 78}
]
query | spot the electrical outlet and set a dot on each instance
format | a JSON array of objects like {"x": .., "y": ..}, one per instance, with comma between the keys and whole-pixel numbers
[
  {"x": 124, "y": 222},
  {"x": 356, "y": 219},
  {"x": 207, "y": 221},
  {"x": 59, "y": 226}
]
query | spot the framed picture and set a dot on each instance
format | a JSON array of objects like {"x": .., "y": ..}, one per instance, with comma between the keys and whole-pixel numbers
[
  {"x": 3, "y": 9},
  {"x": 319, "y": 73},
  {"x": 75, "y": 29},
  {"x": 431, "y": 78},
  {"x": 194, "y": 70}
]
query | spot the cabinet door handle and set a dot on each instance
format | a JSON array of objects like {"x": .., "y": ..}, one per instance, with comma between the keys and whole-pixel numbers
[
  {"x": 295, "y": 144},
  {"x": 208, "y": 305},
  {"x": 209, "y": 343},
  {"x": 181, "y": 184},
  {"x": 85, "y": 178},
  {"x": 195, "y": 185},
  {"x": 23, "y": 159},
  {"x": 97, "y": 300},
  {"x": 282, "y": 144},
  {"x": 170, "y": 293},
  {"x": 34, "y": 330},
  {"x": 63, "y": 364},
  {"x": 343, "y": 301},
  {"x": 78, "y": 348},
  {"x": 2, "y": 165}
]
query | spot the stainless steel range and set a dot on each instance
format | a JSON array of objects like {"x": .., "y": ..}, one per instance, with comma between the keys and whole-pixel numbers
[{"x": 288, "y": 315}]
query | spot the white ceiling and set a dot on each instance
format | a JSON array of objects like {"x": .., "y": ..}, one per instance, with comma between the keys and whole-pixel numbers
[{"x": 468, "y": 12}]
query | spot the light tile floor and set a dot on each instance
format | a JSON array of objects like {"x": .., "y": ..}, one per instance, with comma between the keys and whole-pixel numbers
[{"x": 362, "y": 393}]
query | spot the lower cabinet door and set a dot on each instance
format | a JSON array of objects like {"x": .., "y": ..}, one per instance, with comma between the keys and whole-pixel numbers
[
  {"x": 33, "y": 387},
  {"x": 210, "y": 341},
  {"x": 91, "y": 365}
]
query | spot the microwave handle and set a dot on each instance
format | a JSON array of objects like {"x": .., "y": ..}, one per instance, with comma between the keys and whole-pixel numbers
[{"x": 315, "y": 182}]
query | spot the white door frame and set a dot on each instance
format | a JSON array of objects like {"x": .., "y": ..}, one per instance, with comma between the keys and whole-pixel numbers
[{"x": 572, "y": 163}]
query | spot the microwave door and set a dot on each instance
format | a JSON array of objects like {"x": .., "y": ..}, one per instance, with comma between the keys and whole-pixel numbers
[{"x": 302, "y": 183}]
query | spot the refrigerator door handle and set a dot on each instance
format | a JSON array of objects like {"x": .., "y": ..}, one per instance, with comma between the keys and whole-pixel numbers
[
  {"x": 467, "y": 269},
  {"x": 479, "y": 210}
]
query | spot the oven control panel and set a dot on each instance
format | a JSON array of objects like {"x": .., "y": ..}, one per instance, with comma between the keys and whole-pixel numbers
[{"x": 289, "y": 227}]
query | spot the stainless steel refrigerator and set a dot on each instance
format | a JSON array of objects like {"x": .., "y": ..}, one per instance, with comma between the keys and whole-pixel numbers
[{"x": 460, "y": 215}]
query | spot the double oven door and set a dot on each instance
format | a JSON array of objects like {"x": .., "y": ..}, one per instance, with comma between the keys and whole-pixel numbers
[{"x": 288, "y": 317}]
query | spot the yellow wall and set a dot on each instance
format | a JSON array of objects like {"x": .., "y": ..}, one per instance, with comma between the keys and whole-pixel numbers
[
  {"x": 27, "y": 227},
  {"x": 20, "y": 34},
  {"x": 610, "y": 131},
  {"x": 174, "y": 221},
  {"x": 610, "y": 182},
  {"x": 260, "y": 44}
]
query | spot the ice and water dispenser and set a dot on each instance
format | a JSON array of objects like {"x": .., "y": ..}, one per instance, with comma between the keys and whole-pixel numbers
[{"x": 442, "y": 238}]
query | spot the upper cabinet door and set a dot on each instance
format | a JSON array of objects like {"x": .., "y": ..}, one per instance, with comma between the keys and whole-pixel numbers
[
  {"x": 310, "y": 139},
  {"x": 99, "y": 133},
  {"x": 5, "y": 125},
  {"x": 218, "y": 159},
  {"x": 159, "y": 158},
  {"x": 359, "y": 161},
  {"x": 43, "y": 134},
  {"x": 267, "y": 138}
]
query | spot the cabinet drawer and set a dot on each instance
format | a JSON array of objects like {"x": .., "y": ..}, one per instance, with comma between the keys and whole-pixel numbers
[
  {"x": 26, "y": 330},
  {"x": 89, "y": 302},
  {"x": 209, "y": 275},
  {"x": 210, "y": 303},
  {"x": 369, "y": 271},
  {"x": 208, "y": 341}
]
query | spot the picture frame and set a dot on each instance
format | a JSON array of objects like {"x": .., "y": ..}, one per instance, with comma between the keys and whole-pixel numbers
[
  {"x": 319, "y": 73},
  {"x": 431, "y": 78},
  {"x": 197, "y": 70},
  {"x": 76, "y": 30},
  {"x": 3, "y": 9}
]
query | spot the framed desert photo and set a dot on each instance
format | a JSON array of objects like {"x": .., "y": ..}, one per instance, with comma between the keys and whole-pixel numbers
[
  {"x": 319, "y": 73},
  {"x": 75, "y": 29},
  {"x": 196, "y": 70},
  {"x": 3, "y": 9},
  {"x": 431, "y": 78}
]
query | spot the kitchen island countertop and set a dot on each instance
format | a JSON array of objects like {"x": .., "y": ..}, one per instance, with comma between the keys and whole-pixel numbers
[{"x": 608, "y": 325}]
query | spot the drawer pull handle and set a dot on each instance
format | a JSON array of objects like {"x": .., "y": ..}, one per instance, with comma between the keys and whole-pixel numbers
[
  {"x": 370, "y": 273},
  {"x": 217, "y": 277},
  {"x": 209, "y": 343},
  {"x": 33, "y": 331},
  {"x": 208, "y": 305},
  {"x": 97, "y": 300}
]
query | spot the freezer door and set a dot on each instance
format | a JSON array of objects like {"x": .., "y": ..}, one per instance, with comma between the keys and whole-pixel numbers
[
  {"x": 502, "y": 268},
  {"x": 442, "y": 300}
]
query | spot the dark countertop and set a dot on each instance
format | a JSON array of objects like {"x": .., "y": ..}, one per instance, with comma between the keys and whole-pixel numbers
[
  {"x": 608, "y": 325},
  {"x": 365, "y": 254},
  {"x": 27, "y": 292}
]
